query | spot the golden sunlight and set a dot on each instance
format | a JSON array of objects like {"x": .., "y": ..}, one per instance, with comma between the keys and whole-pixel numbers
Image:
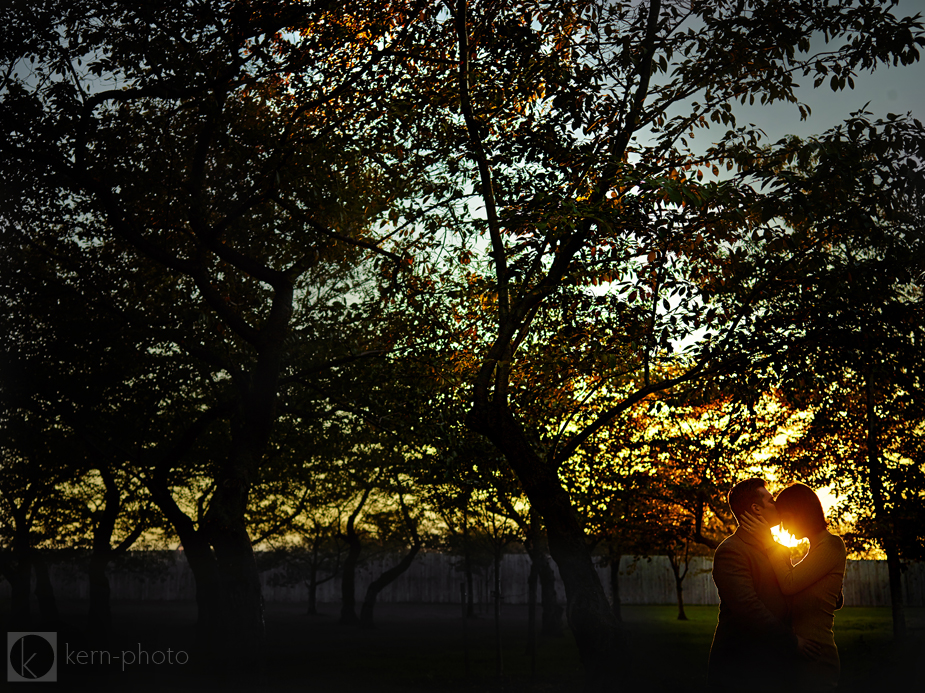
[{"x": 784, "y": 537}]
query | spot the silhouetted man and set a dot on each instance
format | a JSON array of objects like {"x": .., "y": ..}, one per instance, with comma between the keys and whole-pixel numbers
[{"x": 753, "y": 647}]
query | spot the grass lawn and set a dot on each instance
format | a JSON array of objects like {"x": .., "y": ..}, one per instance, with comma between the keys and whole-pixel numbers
[
  {"x": 421, "y": 648},
  {"x": 663, "y": 647}
]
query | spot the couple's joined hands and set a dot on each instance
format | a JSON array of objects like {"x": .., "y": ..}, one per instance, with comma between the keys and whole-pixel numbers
[{"x": 758, "y": 527}]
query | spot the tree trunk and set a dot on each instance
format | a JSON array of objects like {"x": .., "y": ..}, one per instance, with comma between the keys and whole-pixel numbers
[
  {"x": 17, "y": 568},
  {"x": 348, "y": 614},
  {"x": 679, "y": 576},
  {"x": 240, "y": 601},
  {"x": 589, "y": 613},
  {"x": 532, "y": 580},
  {"x": 894, "y": 569},
  {"x": 196, "y": 551},
  {"x": 312, "y": 590},
  {"x": 383, "y": 581},
  {"x": 552, "y": 613},
  {"x": 240, "y": 596},
  {"x": 45, "y": 592},
  {"x": 615, "y": 558},
  {"x": 499, "y": 657},
  {"x": 679, "y": 589},
  {"x": 467, "y": 566},
  {"x": 204, "y": 567},
  {"x": 99, "y": 615},
  {"x": 881, "y": 516},
  {"x": 215, "y": 604}
]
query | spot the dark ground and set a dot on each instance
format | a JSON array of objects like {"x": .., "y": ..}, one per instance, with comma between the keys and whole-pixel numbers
[{"x": 419, "y": 648}]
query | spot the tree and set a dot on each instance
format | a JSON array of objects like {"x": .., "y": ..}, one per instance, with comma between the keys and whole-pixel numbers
[
  {"x": 553, "y": 108},
  {"x": 244, "y": 145},
  {"x": 351, "y": 537},
  {"x": 395, "y": 532},
  {"x": 62, "y": 387},
  {"x": 119, "y": 492},
  {"x": 37, "y": 509},
  {"x": 224, "y": 154},
  {"x": 848, "y": 307},
  {"x": 857, "y": 385}
]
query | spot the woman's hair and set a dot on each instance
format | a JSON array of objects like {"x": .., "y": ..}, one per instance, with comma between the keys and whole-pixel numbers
[{"x": 802, "y": 502}]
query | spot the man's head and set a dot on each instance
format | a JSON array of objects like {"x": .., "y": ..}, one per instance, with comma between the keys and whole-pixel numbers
[{"x": 751, "y": 496}]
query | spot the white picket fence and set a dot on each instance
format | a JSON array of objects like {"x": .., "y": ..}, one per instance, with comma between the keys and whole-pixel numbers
[{"x": 436, "y": 578}]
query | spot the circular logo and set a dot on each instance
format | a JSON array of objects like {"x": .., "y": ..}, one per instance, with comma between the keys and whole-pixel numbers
[{"x": 32, "y": 656}]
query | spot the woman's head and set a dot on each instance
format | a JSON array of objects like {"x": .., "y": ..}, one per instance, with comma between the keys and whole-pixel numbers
[{"x": 800, "y": 511}]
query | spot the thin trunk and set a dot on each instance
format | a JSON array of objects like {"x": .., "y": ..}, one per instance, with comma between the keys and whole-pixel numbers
[
  {"x": 532, "y": 581},
  {"x": 615, "y": 558},
  {"x": 470, "y": 585},
  {"x": 467, "y": 566},
  {"x": 18, "y": 571},
  {"x": 312, "y": 590},
  {"x": 383, "y": 581},
  {"x": 679, "y": 575},
  {"x": 698, "y": 522},
  {"x": 348, "y": 614},
  {"x": 465, "y": 624},
  {"x": 589, "y": 613},
  {"x": 44, "y": 592},
  {"x": 894, "y": 570},
  {"x": 99, "y": 615},
  {"x": 201, "y": 560},
  {"x": 499, "y": 658},
  {"x": 389, "y": 576},
  {"x": 881, "y": 516},
  {"x": 679, "y": 589}
]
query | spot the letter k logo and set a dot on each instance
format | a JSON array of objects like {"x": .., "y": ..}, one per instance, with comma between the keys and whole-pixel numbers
[
  {"x": 32, "y": 657},
  {"x": 24, "y": 665}
]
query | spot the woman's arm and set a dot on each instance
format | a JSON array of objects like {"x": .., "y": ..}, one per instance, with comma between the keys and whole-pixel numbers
[{"x": 819, "y": 562}]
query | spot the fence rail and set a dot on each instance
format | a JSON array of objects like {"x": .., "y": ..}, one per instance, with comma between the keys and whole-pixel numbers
[{"x": 436, "y": 577}]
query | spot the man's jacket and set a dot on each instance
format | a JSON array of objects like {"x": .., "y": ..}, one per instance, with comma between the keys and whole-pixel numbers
[{"x": 753, "y": 647}]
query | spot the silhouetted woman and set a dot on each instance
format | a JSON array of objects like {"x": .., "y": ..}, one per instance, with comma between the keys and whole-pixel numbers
[{"x": 815, "y": 582}]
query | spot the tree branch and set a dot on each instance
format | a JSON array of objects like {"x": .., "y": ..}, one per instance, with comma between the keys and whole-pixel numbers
[
  {"x": 329, "y": 233},
  {"x": 475, "y": 141}
]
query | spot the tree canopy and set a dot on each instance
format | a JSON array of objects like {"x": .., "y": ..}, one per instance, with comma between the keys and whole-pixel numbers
[{"x": 261, "y": 245}]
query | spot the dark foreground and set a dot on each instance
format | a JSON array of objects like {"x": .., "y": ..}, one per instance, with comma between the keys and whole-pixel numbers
[{"x": 420, "y": 648}]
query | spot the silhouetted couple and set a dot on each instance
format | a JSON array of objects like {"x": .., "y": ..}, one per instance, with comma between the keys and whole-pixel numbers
[{"x": 775, "y": 628}]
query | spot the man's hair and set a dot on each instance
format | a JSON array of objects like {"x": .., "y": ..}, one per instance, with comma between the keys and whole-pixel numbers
[
  {"x": 743, "y": 494},
  {"x": 802, "y": 502}
]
